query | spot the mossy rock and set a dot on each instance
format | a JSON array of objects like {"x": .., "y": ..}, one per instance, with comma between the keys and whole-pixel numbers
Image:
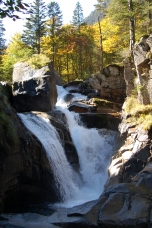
[{"x": 102, "y": 103}]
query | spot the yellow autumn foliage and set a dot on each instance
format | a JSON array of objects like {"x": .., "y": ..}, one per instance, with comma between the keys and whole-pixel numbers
[{"x": 111, "y": 38}]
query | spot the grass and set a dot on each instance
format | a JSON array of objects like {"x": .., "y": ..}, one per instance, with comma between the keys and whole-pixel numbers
[{"x": 138, "y": 114}]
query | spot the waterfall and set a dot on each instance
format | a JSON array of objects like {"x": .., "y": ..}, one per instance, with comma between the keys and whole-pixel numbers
[
  {"x": 94, "y": 147},
  {"x": 48, "y": 136}
]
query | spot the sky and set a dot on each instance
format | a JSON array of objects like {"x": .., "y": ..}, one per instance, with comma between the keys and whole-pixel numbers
[{"x": 66, "y": 6}]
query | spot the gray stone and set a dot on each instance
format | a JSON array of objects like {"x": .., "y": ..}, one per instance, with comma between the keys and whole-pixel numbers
[
  {"x": 83, "y": 208},
  {"x": 33, "y": 90},
  {"x": 144, "y": 153},
  {"x": 124, "y": 210},
  {"x": 110, "y": 83},
  {"x": 137, "y": 146},
  {"x": 140, "y": 50},
  {"x": 81, "y": 107}
]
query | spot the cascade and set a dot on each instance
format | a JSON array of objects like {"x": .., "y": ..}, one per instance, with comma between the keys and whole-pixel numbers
[
  {"x": 50, "y": 140},
  {"x": 94, "y": 147}
]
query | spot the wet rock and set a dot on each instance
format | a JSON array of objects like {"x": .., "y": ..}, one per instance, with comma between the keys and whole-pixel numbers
[
  {"x": 93, "y": 120},
  {"x": 68, "y": 97},
  {"x": 81, "y": 107}
]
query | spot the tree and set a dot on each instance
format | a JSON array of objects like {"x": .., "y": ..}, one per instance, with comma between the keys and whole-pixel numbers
[
  {"x": 35, "y": 27},
  {"x": 9, "y": 8},
  {"x": 101, "y": 4},
  {"x": 2, "y": 40},
  {"x": 77, "y": 21},
  {"x": 67, "y": 59},
  {"x": 54, "y": 23},
  {"x": 77, "y": 18},
  {"x": 16, "y": 51},
  {"x": 125, "y": 13}
]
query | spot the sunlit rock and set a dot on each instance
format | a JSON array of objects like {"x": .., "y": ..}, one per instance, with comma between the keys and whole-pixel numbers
[{"x": 33, "y": 90}]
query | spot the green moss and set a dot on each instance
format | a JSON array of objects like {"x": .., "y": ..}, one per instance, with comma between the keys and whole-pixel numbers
[{"x": 102, "y": 102}]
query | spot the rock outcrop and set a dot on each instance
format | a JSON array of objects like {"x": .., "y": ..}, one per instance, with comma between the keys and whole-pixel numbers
[
  {"x": 109, "y": 84},
  {"x": 142, "y": 53},
  {"x": 33, "y": 90}
]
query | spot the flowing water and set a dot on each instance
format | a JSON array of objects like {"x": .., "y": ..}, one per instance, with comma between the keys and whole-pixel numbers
[
  {"x": 50, "y": 140},
  {"x": 94, "y": 147}
]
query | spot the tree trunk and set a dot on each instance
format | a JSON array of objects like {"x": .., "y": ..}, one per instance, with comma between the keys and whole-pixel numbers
[
  {"x": 149, "y": 19},
  {"x": 101, "y": 46},
  {"x": 132, "y": 25}
]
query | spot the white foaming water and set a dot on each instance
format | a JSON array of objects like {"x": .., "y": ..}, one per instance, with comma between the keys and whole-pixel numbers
[
  {"x": 94, "y": 149},
  {"x": 48, "y": 136}
]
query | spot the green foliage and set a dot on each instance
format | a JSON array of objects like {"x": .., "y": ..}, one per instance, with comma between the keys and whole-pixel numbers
[
  {"x": 77, "y": 18},
  {"x": 55, "y": 18},
  {"x": 35, "y": 26},
  {"x": 38, "y": 61},
  {"x": 9, "y": 8},
  {"x": 16, "y": 51}
]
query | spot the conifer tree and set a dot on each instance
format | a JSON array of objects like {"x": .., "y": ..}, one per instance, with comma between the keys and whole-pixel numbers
[
  {"x": 102, "y": 4},
  {"x": 78, "y": 17},
  {"x": 35, "y": 26},
  {"x": 77, "y": 21},
  {"x": 9, "y": 8},
  {"x": 54, "y": 23},
  {"x": 125, "y": 13},
  {"x": 55, "y": 18},
  {"x": 2, "y": 40}
]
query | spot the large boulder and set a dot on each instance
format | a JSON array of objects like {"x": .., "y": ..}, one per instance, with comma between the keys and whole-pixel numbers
[
  {"x": 33, "y": 89},
  {"x": 109, "y": 84}
]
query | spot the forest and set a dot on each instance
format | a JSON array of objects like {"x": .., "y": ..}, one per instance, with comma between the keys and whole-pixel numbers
[{"x": 78, "y": 49}]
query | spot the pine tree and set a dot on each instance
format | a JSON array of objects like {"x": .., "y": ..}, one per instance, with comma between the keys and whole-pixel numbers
[
  {"x": 2, "y": 40},
  {"x": 35, "y": 26},
  {"x": 10, "y": 8},
  {"x": 55, "y": 18},
  {"x": 102, "y": 4},
  {"x": 78, "y": 17},
  {"x": 54, "y": 23},
  {"x": 77, "y": 21}
]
